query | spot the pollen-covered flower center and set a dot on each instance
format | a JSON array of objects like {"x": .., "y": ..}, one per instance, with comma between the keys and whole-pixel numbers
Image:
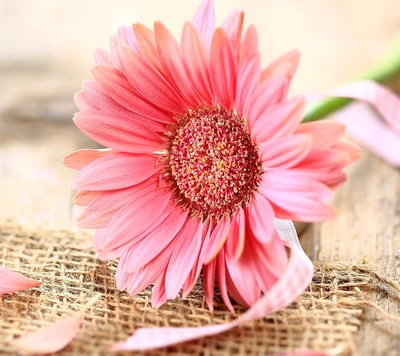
[{"x": 213, "y": 164}]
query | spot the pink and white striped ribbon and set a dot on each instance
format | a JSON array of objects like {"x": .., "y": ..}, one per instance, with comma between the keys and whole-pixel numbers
[{"x": 294, "y": 280}]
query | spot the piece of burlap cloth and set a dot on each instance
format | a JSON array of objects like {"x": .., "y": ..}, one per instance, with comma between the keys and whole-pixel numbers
[{"x": 326, "y": 317}]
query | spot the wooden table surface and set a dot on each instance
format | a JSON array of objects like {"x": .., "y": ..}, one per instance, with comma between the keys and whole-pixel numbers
[{"x": 339, "y": 39}]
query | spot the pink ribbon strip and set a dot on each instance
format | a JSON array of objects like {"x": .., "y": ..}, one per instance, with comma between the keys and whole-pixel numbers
[
  {"x": 381, "y": 137},
  {"x": 294, "y": 280}
]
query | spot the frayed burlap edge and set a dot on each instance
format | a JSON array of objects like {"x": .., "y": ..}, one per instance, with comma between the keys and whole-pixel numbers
[{"x": 325, "y": 318}]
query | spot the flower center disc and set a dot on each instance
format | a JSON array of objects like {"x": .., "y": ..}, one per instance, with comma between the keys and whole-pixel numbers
[{"x": 214, "y": 165}]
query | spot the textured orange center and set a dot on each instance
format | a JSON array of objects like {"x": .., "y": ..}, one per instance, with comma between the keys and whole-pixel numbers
[{"x": 213, "y": 164}]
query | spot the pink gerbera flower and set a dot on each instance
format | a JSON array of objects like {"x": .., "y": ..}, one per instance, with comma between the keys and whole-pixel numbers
[{"x": 205, "y": 150}]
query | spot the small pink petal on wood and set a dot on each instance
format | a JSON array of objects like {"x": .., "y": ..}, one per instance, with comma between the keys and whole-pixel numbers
[
  {"x": 281, "y": 294},
  {"x": 51, "y": 338},
  {"x": 11, "y": 282}
]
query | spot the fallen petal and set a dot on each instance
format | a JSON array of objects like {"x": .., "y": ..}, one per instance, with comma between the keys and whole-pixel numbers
[
  {"x": 11, "y": 282},
  {"x": 51, "y": 338}
]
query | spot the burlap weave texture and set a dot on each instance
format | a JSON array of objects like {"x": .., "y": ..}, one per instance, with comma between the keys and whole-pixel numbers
[{"x": 325, "y": 317}]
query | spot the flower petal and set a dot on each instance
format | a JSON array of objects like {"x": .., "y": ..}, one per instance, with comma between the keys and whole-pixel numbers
[
  {"x": 84, "y": 197},
  {"x": 116, "y": 171},
  {"x": 156, "y": 241},
  {"x": 117, "y": 86},
  {"x": 11, "y": 282},
  {"x": 135, "y": 218},
  {"x": 127, "y": 35},
  {"x": 233, "y": 26},
  {"x": 217, "y": 239},
  {"x": 260, "y": 217},
  {"x": 285, "y": 152},
  {"x": 195, "y": 61},
  {"x": 234, "y": 244},
  {"x": 284, "y": 66},
  {"x": 159, "y": 295},
  {"x": 208, "y": 281},
  {"x": 169, "y": 53},
  {"x": 279, "y": 121},
  {"x": 294, "y": 182},
  {"x": 247, "y": 81},
  {"x": 102, "y": 209},
  {"x": 195, "y": 272},
  {"x": 117, "y": 131},
  {"x": 266, "y": 96},
  {"x": 51, "y": 338},
  {"x": 80, "y": 159},
  {"x": 324, "y": 133},
  {"x": 223, "y": 69},
  {"x": 148, "y": 81},
  {"x": 204, "y": 21},
  {"x": 187, "y": 245}
]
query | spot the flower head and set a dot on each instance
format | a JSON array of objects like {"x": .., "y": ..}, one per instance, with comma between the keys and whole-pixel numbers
[{"x": 205, "y": 149}]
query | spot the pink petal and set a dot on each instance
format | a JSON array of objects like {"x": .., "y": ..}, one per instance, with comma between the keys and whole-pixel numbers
[
  {"x": 260, "y": 217},
  {"x": 300, "y": 207},
  {"x": 118, "y": 131},
  {"x": 217, "y": 239},
  {"x": 233, "y": 26},
  {"x": 94, "y": 97},
  {"x": 296, "y": 183},
  {"x": 187, "y": 245},
  {"x": 266, "y": 96},
  {"x": 148, "y": 81},
  {"x": 267, "y": 260},
  {"x": 324, "y": 133},
  {"x": 51, "y": 338},
  {"x": 146, "y": 43},
  {"x": 279, "y": 121},
  {"x": 156, "y": 241},
  {"x": 103, "y": 57},
  {"x": 127, "y": 35},
  {"x": 204, "y": 21},
  {"x": 281, "y": 294},
  {"x": 221, "y": 275},
  {"x": 159, "y": 295},
  {"x": 102, "y": 209},
  {"x": 285, "y": 152},
  {"x": 234, "y": 244},
  {"x": 81, "y": 158},
  {"x": 84, "y": 198},
  {"x": 241, "y": 283},
  {"x": 169, "y": 53},
  {"x": 116, "y": 171},
  {"x": 117, "y": 86},
  {"x": 135, "y": 218},
  {"x": 284, "y": 66},
  {"x": 11, "y": 282},
  {"x": 223, "y": 69},
  {"x": 247, "y": 81},
  {"x": 208, "y": 281},
  {"x": 249, "y": 45},
  {"x": 195, "y": 61},
  {"x": 195, "y": 272}
]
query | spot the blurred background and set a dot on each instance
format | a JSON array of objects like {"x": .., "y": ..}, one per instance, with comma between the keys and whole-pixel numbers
[{"x": 46, "y": 50}]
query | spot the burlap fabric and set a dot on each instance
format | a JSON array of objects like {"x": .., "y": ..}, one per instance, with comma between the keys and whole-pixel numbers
[{"x": 326, "y": 317}]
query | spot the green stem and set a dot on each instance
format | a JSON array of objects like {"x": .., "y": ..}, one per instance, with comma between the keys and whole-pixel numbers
[{"x": 388, "y": 68}]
